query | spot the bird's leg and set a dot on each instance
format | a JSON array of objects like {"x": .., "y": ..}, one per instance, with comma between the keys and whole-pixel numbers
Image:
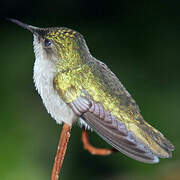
[
  {"x": 93, "y": 150},
  {"x": 61, "y": 151}
]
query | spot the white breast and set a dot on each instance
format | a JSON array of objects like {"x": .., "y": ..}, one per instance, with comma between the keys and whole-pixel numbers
[{"x": 44, "y": 72}]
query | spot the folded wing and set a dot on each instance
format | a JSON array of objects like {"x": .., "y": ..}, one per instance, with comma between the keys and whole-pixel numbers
[{"x": 113, "y": 131}]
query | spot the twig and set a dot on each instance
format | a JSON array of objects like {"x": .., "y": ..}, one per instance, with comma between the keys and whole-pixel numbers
[
  {"x": 61, "y": 151},
  {"x": 93, "y": 150}
]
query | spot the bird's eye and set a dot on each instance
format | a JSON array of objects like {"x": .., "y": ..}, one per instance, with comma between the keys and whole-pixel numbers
[{"x": 47, "y": 42}]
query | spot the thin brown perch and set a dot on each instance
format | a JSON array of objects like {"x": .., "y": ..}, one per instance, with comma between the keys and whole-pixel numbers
[
  {"x": 61, "y": 151},
  {"x": 93, "y": 150}
]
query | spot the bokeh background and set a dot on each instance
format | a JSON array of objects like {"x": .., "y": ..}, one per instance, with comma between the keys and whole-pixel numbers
[{"x": 138, "y": 40}]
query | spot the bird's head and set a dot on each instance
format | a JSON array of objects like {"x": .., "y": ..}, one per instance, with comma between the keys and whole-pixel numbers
[{"x": 57, "y": 43}]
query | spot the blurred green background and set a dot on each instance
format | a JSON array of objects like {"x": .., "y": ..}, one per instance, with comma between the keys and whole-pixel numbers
[{"x": 138, "y": 40}]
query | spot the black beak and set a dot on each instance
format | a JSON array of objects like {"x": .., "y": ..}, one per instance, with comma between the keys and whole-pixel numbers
[{"x": 33, "y": 29}]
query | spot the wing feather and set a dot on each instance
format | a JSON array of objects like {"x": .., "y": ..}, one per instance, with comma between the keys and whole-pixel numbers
[
  {"x": 119, "y": 142},
  {"x": 111, "y": 130}
]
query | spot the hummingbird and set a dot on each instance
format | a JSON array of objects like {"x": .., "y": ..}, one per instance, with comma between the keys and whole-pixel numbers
[{"x": 76, "y": 87}]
